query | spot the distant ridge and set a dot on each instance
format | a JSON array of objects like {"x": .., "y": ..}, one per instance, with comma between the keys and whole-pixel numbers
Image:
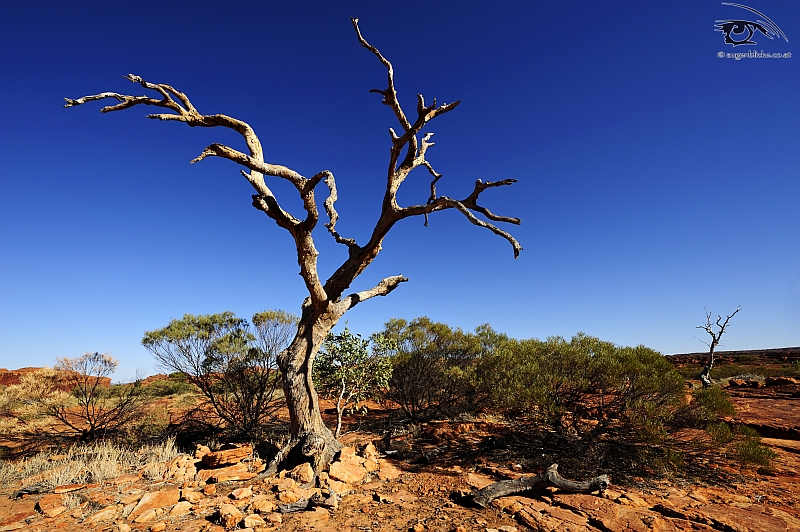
[
  {"x": 791, "y": 352},
  {"x": 757, "y": 357}
]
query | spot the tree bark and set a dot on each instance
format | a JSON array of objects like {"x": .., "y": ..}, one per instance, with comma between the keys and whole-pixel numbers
[
  {"x": 310, "y": 439},
  {"x": 716, "y": 336},
  {"x": 550, "y": 477}
]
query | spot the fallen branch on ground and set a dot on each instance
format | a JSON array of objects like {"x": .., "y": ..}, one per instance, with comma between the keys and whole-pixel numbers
[{"x": 550, "y": 477}]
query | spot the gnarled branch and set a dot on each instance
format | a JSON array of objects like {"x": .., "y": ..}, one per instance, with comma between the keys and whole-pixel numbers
[
  {"x": 383, "y": 288},
  {"x": 264, "y": 200},
  {"x": 333, "y": 216},
  {"x": 550, "y": 477}
]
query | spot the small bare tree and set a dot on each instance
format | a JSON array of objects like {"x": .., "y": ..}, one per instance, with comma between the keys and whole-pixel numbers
[
  {"x": 328, "y": 300},
  {"x": 715, "y": 330},
  {"x": 76, "y": 394}
]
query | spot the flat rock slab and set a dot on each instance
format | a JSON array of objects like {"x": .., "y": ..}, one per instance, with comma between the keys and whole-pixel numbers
[
  {"x": 227, "y": 456},
  {"x": 68, "y": 488},
  {"x": 51, "y": 505},
  {"x": 753, "y": 519},
  {"x": 155, "y": 500}
]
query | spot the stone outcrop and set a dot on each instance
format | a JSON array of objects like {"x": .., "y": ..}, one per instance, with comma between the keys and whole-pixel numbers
[{"x": 9, "y": 377}]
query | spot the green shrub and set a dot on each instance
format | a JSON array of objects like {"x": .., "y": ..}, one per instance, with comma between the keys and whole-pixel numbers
[
  {"x": 231, "y": 361},
  {"x": 709, "y": 404},
  {"x": 750, "y": 451},
  {"x": 721, "y": 433},
  {"x": 723, "y": 371},
  {"x": 433, "y": 366},
  {"x": 169, "y": 387},
  {"x": 584, "y": 386},
  {"x": 348, "y": 371}
]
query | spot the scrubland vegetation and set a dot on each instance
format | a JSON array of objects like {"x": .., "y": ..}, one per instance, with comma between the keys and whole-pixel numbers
[{"x": 580, "y": 399}]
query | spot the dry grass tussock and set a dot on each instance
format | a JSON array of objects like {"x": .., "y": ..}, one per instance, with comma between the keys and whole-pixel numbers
[{"x": 96, "y": 462}]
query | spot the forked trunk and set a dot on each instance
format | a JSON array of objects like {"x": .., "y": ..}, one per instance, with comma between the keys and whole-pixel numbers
[
  {"x": 311, "y": 441},
  {"x": 705, "y": 375}
]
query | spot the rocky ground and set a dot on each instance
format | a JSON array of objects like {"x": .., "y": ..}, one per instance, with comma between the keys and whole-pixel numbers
[{"x": 221, "y": 491}]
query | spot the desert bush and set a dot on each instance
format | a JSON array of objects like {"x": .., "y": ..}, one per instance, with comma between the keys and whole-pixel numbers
[
  {"x": 750, "y": 451},
  {"x": 347, "y": 370},
  {"x": 721, "y": 433},
  {"x": 170, "y": 387},
  {"x": 723, "y": 371},
  {"x": 708, "y": 405},
  {"x": 433, "y": 367},
  {"x": 231, "y": 361},
  {"x": 584, "y": 386}
]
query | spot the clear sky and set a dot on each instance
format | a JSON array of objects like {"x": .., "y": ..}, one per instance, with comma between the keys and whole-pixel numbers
[{"x": 655, "y": 178}]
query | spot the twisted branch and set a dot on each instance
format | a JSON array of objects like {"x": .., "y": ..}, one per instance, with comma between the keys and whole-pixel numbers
[
  {"x": 383, "y": 288},
  {"x": 416, "y": 157},
  {"x": 550, "y": 477}
]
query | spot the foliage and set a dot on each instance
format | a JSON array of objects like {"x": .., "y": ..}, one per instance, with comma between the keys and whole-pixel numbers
[
  {"x": 584, "y": 386},
  {"x": 170, "y": 387},
  {"x": 347, "y": 370},
  {"x": 720, "y": 432},
  {"x": 231, "y": 361},
  {"x": 709, "y": 404},
  {"x": 434, "y": 366},
  {"x": 74, "y": 394},
  {"x": 750, "y": 451}
]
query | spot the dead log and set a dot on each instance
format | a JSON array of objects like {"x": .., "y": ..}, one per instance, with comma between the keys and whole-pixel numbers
[{"x": 485, "y": 496}]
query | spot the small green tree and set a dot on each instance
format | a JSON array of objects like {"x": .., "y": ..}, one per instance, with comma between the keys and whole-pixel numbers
[
  {"x": 348, "y": 370},
  {"x": 233, "y": 362}
]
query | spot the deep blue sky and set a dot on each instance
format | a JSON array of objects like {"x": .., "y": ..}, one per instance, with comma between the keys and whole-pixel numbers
[{"x": 654, "y": 177}]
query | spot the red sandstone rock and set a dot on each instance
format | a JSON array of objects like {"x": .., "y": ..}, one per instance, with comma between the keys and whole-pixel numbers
[
  {"x": 224, "y": 474},
  {"x": 51, "y": 505},
  {"x": 106, "y": 514},
  {"x": 241, "y": 493},
  {"x": 303, "y": 473},
  {"x": 191, "y": 496},
  {"x": 262, "y": 504},
  {"x": 227, "y": 456},
  {"x": 182, "y": 508},
  {"x": 229, "y": 515},
  {"x": 66, "y": 488},
  {"x": 347, "y": 472},
  {"x": 155, "y": 500},
  {"x": 254, "y": 520}
]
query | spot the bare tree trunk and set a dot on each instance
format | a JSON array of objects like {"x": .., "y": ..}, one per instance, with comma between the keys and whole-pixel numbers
[
  {"x": 705, "y": 375},
  {"x": 716, "y": 336},
  {"x": 311, "y": 441}
]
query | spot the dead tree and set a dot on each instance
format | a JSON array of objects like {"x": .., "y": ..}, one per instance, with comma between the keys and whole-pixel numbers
[
  {"x": 327, "y": 301},
  {"x": 716, "y": 335}
]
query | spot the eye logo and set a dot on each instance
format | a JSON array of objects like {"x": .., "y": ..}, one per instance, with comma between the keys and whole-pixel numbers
[{"x": 741, "y": 31}]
